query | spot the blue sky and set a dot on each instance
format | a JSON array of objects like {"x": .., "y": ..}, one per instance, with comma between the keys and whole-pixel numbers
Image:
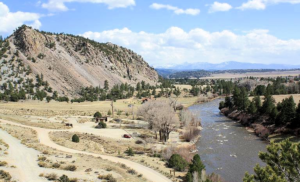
[{"x": 169, "y": 32}]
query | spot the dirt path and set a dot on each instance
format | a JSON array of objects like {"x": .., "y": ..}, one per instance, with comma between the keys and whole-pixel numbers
[
  {"x": 25, "y": 160},
  {"x": 43, "y": 136}
]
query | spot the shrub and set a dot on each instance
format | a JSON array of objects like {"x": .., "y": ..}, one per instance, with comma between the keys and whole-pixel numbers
[
  {"x": 73, "y": 179},
  {"x": 42, "y": 164},
  {"x": 75, "y": 138},
  {"x": 109, "y": 113},
  {"x": 64, "y": 178},
  {"x": 42, "y": 158},
  {"x": 177, "y": 162},
  {"x": 3, "y": 163},
  {"x": 129, "y": 152},
  {"x": 132, "y": 171},
  {"x": 139, "y": 142},
  {"x": 97, "y": 115},
  {"x": 51, "y": 176},
  {"x": 107, "y": 177},
  {"x": 190, "y": 133},
  {"x": 56, "y": 165},
  {"x": 5, "y": 175},
  {"x": 101, "y": 124},
  {"x": 70, "y": 168}
]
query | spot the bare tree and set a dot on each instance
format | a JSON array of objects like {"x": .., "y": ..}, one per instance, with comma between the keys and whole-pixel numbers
[
  {"x": 190, "y": 121},
  {"x": 161, "y": 118}
]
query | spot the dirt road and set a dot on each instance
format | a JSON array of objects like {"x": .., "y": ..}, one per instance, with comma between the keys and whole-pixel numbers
[{"x": 43, "y": 136}]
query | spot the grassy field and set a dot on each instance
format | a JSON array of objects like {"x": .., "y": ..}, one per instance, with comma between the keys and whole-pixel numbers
[
  {"x": 254, "y": 74},
  {"x": 279, "y": 98}
]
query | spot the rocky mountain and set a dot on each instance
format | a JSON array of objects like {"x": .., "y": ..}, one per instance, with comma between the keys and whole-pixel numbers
[{"x": 68, "y": 63}]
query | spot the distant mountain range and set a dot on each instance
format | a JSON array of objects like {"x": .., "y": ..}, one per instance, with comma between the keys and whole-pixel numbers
[
  {"x": 230, "y": 65},
  {"x": 198, "y": 70}
]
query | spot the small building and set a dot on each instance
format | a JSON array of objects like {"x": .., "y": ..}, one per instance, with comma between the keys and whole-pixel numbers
[{"x": 103, "y": 119}]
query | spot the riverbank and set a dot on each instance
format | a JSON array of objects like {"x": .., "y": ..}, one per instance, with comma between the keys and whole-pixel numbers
[{"x": 260, "y": 126}]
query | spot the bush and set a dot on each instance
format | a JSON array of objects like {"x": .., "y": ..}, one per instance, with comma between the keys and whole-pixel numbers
[
  {"x": 42, "y": 158},
  {"x": 97, "y": 115},
  {"x": 132, "y": 171},
  {"x": 107, "y": 177},
  {"x": 56, "y": 165},
  {"x": 5, "y": 175},
  {"x": 221, "y": 105},
  {"x": 3, "y": 163},
  {"x": 51, "y": 177},
  {"x": 42, "y": 164},
  {"x": 101, "y": 124},
  {"x": 70, "y": 168},
  {"x": 139, "y": 142},
  {"x": 177, "y": 162},
  {"x": 109, "y": 113},
  {"x": 75, "y": 138},
  {"x": 129, "y": 152},
  {"x": 64, "y": 178},
  {"x": 190, "y": 134}
]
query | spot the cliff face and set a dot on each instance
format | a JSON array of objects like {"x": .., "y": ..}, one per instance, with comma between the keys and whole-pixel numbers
[{"x": 70, "y": 62}]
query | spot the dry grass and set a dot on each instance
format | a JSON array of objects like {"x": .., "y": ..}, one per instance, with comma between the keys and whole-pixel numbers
[
  {"x": 95, "y": 144},
  {"x": 254, "y": 74},
  {"x": 279, "y": 98}
]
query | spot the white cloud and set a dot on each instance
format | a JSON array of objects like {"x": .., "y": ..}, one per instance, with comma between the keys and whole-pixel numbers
[
  {"x": 59, "y": 5},
  {"x": 176, "y": 46},
  {"x": 253, "y": 4},
  {"x": 216, "y": 6},
  {"x": 176, "y": 10},
  {"x": 11, "y": 20},
  {"x": 262, "y": 4}
]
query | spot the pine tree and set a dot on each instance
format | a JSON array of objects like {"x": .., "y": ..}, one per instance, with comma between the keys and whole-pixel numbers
[
  {"x": 252, "y": 108},
  {"x": 287, "y": 112},
  {"x": 283, "y": 161},
  {"x": 257, "y": 102},
  {"x": 296, "y": 121},
  {"x": 196, "y": 165},
  {"x": 106, "y": 86},
  {"x": 268, "y": 105}
]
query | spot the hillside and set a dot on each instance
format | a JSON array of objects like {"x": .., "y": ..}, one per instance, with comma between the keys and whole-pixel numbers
[{"x": 67, "y": 63}]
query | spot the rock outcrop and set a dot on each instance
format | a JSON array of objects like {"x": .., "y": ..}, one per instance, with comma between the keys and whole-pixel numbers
[{"x": 70, "y": 62}]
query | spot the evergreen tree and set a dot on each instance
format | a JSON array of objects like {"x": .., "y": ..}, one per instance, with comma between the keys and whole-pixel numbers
[
  {"x": 196, "y": 165},
  {"x": 228, "y": 102},
  {"x": 75, "y": 138},
  {"x": 257, "y": 102},
  {"x": 296, "y": 121},
  {"x": 106, "y": 86},
  {"x": 283, "y": 161},
  {"x": 97, "y": 115},
  {"x": 287, "y": 112},
  {"x": 252, "y": 108},
  {"x": 268, "y": 105}
]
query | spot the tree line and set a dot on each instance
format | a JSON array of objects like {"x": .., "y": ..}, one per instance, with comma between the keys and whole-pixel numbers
[{"x": 282, "y": 113}]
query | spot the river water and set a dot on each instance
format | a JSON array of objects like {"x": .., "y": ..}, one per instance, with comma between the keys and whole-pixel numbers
[{"x": 225, "y": 147}]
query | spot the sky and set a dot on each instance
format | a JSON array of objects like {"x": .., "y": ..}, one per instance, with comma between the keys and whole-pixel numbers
[{"x": 172, "y": 32}]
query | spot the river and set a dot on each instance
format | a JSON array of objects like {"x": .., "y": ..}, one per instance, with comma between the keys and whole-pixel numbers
[{"x": 226, "y": 148}]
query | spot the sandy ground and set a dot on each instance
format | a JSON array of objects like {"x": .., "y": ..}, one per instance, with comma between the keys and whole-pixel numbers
[
  {"x": 254, "y": 74},
  {"x": 43, "y": 136}
]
